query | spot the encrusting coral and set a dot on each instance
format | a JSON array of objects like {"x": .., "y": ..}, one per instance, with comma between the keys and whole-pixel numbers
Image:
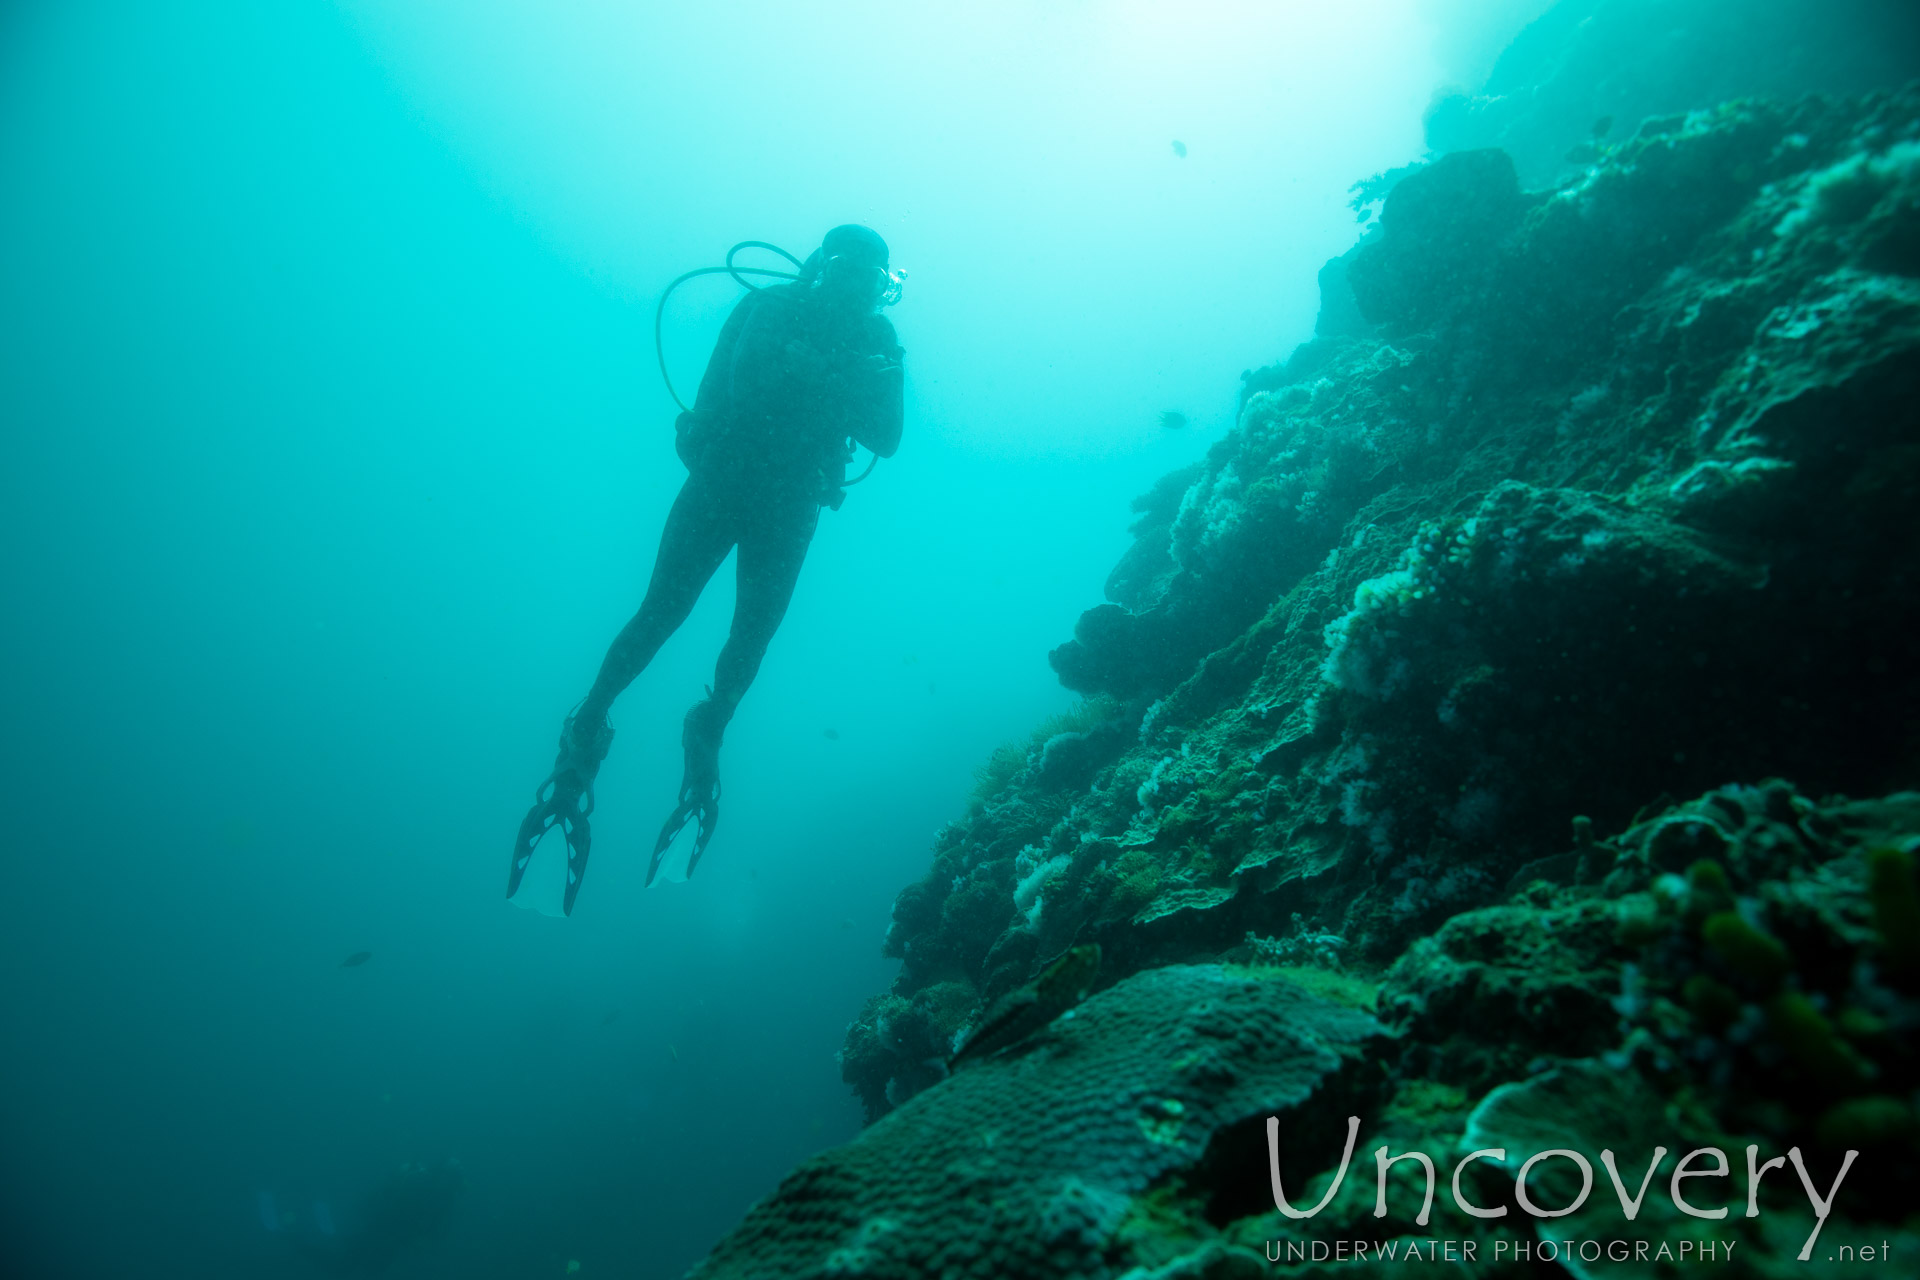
[{"x": 1027, "y": 1162}]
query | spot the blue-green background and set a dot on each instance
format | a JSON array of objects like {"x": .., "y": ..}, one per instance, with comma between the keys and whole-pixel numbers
[{"x": 334, "y": 455}]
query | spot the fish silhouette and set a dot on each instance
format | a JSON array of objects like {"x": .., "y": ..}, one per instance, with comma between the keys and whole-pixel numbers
[
  {"x": 1180, "y": 148},
  {"x": 357, "y": 959}
]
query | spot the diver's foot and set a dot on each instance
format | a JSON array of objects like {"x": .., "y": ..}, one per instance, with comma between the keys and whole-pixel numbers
[
  {"x": 700, "y": 736},
  {"x": 583, "y": 746},
  {"x": 565, "y": 800},
  {"x": 699, "y": 803}
]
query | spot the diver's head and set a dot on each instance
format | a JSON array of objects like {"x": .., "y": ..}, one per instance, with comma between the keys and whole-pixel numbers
[{"x": 850, "y": 270}]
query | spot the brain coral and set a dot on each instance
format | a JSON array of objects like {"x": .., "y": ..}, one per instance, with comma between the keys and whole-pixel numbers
[{"x": 1025, "y": 1164}]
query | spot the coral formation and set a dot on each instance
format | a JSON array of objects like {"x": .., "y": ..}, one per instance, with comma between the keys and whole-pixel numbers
[
  {"x": 1588, "y": 71},
  {"x": 1581, "y": 499},
  {"x": 1613, "y": 506},
  {"x": 1027, "y": 1164}
]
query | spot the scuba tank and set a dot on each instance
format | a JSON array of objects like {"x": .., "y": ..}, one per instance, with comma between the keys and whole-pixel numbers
[{"x": 802, "y": 270}]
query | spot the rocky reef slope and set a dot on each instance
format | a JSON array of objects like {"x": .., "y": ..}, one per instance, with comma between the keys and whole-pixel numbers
[
  {"x": 1616, "y": 506},
  {"x": 1430, "y": 764},
  {"x": 1609, "y": 500},
  {"x": 1588, "y": 71}
]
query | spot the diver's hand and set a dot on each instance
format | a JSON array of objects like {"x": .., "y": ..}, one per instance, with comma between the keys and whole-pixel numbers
[{"x": 817, "y": 368}]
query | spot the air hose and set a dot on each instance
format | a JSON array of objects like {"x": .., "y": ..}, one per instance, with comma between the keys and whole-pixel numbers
[{"x": 739, "y": 275}]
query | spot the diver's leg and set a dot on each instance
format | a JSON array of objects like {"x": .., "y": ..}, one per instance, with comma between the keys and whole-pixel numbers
[
  {"x": 697, "y": 537},
  {"x": 698, "y": 534},
  {"x": 773, "y": 545},
  {"x": 772, "y": 550}
]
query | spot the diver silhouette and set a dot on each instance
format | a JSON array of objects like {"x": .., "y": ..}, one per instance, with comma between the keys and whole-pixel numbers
[{"x": 800, "y": 371}]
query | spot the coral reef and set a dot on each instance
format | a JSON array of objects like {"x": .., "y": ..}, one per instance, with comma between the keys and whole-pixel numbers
[
  {"x": 1033, "y": 1162},
  {"x": 1613, "y": 507},
  {"x": 1610, "y": 505},
  {"x": 1581, "y": 500},
  {"x": 1587, "y": 72},
  {"x": 1736, "y": 970}
]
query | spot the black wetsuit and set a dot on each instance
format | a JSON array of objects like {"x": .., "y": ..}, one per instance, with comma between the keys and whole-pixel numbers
[{"x": 790, "y": 381}]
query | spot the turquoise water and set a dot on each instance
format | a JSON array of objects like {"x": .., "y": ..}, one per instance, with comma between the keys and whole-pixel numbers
[{"x": 336, "y": 455}]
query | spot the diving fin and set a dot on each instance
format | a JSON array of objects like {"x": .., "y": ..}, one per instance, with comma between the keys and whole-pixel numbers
[
  {"x": 565, "y": 800},
  {"x": 699, "y": 784}
]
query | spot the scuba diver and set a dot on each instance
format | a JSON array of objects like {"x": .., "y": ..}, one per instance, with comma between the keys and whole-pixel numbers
[{"x": 800, "y": 372}]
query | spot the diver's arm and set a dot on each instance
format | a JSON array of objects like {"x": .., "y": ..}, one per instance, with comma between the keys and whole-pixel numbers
[
  {"x": 876, "y": 392},
  {"x": 880, "y": 408}
]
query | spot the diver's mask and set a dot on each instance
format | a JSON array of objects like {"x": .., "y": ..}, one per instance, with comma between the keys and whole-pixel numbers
[{"x": 885, "y": 283}]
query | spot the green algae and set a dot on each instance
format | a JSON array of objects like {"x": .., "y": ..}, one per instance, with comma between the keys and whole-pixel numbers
[
  {"x": 999, "y": 771},
  {"x": 1712, "y": 1002},
  {"x": 1342, "y": 988},
  {"x": 1136, "y": 879},
  {"x": 1871, "y": 1121},
  {"x": 1812, "y": 1042},
  {"x": 1745, "y": 950},
  {"x": 1892, "y": 890},
  {"x": 1708, "y": 891}
]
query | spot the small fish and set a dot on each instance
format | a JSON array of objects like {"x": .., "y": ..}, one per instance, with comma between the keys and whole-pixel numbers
[
  {"x": 1060, "y": 986},
  {"x": 845, "y": 924},
  {"x": 357, "y": 959},
  {"x": 1601, "y": 126},
  {"x": 611, "y": 1015},
  {"x": 1172, "y": 419},
  {"x": 832, "y": 735},
  {"x": 675, "y": 1052},
  {"x": 1180, "y": 148}
]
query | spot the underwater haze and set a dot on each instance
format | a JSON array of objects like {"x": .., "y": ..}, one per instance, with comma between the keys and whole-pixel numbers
[
  {"x": 1395, "y": 599},
  {"x": 337, "y": 454}
]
